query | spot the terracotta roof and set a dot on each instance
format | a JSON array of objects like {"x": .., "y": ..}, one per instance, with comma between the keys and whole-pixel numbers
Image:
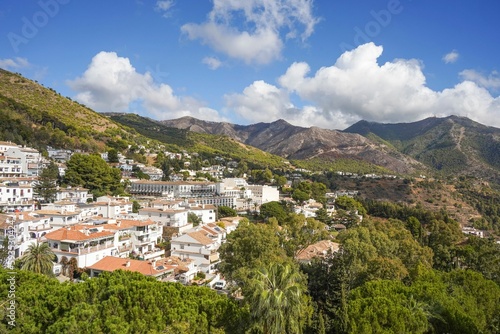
[
  {"x": 319, "y": 249},
  {"x": 56, "y": 213},
  {"x": 111, "y": 263},
  {"x": 201, "y": 237},
  {"x": 74, "y": 234},
  {"x": 125, "y": 224}
]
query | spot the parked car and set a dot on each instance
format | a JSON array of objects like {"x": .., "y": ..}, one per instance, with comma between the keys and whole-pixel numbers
[{"x": 219, "y": 285}]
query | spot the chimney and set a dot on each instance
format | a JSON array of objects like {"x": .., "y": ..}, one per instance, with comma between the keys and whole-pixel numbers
[{"x": 127, "y": 264}]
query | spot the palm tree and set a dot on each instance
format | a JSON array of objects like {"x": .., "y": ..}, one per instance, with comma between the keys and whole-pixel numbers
[
  {"x": 38, "y": 258},
  {"x": 277, "y": 299}
]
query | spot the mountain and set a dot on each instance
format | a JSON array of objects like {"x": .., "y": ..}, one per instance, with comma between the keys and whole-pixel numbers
[
  {"x": 451, "y": 144},
  {"x": 33, "y": 115},
  {"x": 300, "y": 143}
]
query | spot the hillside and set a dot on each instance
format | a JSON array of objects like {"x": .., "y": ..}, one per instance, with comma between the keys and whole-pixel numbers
[
  {"x": 451, "y": 145},
  {"x": 202, "y": 143},
  {"x": 31, "y": 114},
  {"x": 299, "y": 143}
]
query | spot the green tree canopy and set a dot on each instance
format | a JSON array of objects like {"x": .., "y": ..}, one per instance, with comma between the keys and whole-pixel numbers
[
  {"x": 93, "y": 173},
  {"x": 273, "y": 209},
  {"x": 45, "y": 188},
  {"x": 225, "y": 211},
  {"x": 249, "y": 247}
]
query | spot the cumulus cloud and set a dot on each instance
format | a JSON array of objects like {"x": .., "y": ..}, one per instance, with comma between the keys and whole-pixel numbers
[
  {"x": 492, "y": 81},
  {"x": 14, "y": 63},
  {"x": 112, "y": 84},
  {"x": 259, "y": 40},
  {"x": 357, "y": 87},
  {"x": 164, "y": 7},
  {"x": 263, "y": 102},
  {"x": 451, "y": 57},
  {"x": 212, "y": 62}
]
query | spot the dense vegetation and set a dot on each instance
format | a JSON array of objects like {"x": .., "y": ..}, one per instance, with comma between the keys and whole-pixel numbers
[
  {"x": 33, "y": 115},
  {"x": 448, "y": 145},
  {"x": 121, "y": 302}
]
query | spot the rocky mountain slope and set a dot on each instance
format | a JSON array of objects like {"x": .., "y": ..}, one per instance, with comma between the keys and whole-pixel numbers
[
  {"x": 294, "y": 142},
  {"x": 452, "y": 145}
]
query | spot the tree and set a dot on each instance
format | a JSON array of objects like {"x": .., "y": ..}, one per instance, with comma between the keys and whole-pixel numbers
[
  {"x": 297, "y": 233},
  {"x": 92, "y": 172},
  {"x": 113, "y": 155},
  {"x": 273, "y": 209},
  {"x": 280, "y": 180},
  {"x": 38, "y": 258},
  {"x": 194, "y": 219},
  {"x": 45, "y": 187},
  {"x": 225, "y": 211},
  {"x": 247, "y": 248},
  {"x": 72, "y": 267},
  {"x": 135, "y": 206},
  {"x": 277, "y": 298}
]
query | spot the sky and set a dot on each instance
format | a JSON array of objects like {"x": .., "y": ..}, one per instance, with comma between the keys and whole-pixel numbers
[{"x": 325, "y": 63}]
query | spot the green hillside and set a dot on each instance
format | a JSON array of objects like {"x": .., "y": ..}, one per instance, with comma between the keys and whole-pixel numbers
[
  {"x": 451, "y": 145},
  {"x": 196, "y": 142},
  {"x": 31, "y": 114}
]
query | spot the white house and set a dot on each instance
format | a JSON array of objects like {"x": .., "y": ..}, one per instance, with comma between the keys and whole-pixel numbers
[
  {"x": 86, "y": 245},
  {"x": 15, "y": 192},
  {"x": 198, "y": 246},
  {"x": 167, "y": 217},
  {"x": 77, "y": 194}
]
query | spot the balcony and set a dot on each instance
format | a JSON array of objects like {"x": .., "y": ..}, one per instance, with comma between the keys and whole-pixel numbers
[
  {"x": 39, "y": 228},
  {"x": 143, "y": 240},
  {"x": 154, "y": 254},
  {"x": 84, "y": 250},
  {"x": 123, "y": 249}
]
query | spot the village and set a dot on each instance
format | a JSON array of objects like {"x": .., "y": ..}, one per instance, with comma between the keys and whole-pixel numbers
[{"x": 104, "y": 234}]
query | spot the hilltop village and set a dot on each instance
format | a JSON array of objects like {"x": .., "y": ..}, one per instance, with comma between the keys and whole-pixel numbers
[{"x": 170, "y": 230}]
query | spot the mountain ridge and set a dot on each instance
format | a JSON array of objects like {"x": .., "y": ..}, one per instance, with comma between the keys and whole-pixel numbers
[
  {"x": 452, "y": 145},
  {"x": 301, "y": 143}
]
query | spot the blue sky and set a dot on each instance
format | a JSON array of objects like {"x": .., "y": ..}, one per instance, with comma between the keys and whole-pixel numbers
[{"x": 326, "y": 63}]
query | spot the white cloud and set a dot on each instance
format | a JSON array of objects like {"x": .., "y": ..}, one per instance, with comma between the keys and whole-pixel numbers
[
  {"x": 451, "y": 57},
  {"x": 258, "y": 40},
  {"x": 492, "y": 81},
  {"x": 262, "y": 102},
  {"x": 212, "y": 62},
  {"x": 357, "y": 87},
  {"x": 111, "y": 83},
  {"x": 164, "y": 6},
  {"x": 14, "y": 63}
]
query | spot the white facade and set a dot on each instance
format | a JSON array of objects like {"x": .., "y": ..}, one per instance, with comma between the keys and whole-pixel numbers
[
  {"x": 199, "y": 247},
  {"x": 206, "y": 212},
  {"x": 16, "y": 192},
  {"x": 77, "y": 194},
  {"x": 30, "y": 159},
  {"x": 167, "y": 217},
  {"x": 264, "y": 194},
  {"x": 177, "y": 189}
]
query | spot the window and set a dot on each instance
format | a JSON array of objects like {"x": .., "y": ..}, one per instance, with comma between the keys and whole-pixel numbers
[{"x": 182, "y": 246}]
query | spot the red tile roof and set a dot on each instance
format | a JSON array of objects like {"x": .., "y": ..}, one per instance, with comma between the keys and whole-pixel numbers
[
  {"x": 74, "y": 234},
  {"x": 111, "y": 263}
]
